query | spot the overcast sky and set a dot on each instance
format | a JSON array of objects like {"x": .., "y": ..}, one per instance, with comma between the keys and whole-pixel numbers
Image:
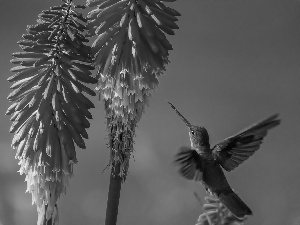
[{"x": 234, "y": 62}]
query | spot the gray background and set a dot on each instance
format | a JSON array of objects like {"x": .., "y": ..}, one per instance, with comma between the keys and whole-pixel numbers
[{"x": 234, "y": 62}]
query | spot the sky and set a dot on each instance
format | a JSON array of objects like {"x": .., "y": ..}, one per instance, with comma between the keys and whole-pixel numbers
[{"x": 234, "y": 63}]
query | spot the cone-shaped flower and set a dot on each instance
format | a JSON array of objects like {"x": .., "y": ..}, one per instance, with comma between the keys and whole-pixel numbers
[
  {"x": 216, "y": 213},
  {"x": 49, "y": 111},
  {"x": 131, "y": 51}
]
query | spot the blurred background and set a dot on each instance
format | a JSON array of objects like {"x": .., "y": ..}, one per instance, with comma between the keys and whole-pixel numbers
[{"x": 234, "y": 62}]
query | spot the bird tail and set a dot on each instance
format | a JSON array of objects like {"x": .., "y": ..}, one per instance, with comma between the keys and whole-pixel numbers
[{"x": 234, "y": 203}]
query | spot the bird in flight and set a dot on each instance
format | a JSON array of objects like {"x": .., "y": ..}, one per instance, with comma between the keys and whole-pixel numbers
[{"x": 202, "y": 163}]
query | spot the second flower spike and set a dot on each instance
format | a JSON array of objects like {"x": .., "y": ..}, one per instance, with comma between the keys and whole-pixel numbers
[{"x": 130, "y": 53}]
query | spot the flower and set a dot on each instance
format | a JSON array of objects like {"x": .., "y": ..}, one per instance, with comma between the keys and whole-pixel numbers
[
  {"x": 130, "y": 53},
  {"x": 49, "y": 111},
  {"x": 215, "y": 213}
]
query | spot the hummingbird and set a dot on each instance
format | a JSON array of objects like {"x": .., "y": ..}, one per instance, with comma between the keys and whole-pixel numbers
[{"x": 202, "y": 163}]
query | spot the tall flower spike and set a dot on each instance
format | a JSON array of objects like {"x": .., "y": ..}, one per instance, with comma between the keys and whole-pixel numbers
[
  {"x": 49, "y": 111},
  {"x": 215, "y": 213},
  {"x": 131, "y": 51}
]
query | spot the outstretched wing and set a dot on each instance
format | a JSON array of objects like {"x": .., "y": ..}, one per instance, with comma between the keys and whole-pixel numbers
[
  {"x": 236, "y": 149},
  {"x": 190, "y": 164}
]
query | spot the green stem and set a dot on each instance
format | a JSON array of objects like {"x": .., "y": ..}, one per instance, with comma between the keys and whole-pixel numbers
[{"x": 113, "y": 196}]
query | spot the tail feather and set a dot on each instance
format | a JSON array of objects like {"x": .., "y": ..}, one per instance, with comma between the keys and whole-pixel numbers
[{"x": 234, "y": 203}]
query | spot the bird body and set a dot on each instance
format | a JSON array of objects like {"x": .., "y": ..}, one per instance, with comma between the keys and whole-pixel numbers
[
  {"x": 202, "y": 163},
  {"x": 212, "y": 177}
]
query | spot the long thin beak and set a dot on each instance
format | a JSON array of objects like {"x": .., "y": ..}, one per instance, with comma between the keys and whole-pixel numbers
[{"x": 182, "y": 117}]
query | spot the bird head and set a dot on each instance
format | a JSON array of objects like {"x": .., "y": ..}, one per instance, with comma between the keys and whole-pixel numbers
[{"x": 198, "y": 135}]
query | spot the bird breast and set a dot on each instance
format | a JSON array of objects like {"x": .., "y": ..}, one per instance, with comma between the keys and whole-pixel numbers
[{"x": 204, "y": 152}]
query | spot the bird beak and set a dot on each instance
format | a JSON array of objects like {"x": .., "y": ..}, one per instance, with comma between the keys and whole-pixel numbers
[{"x": 182, "y": 117}]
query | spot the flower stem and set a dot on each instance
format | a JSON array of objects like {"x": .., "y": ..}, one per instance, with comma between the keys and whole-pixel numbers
[{"x": 113, "y": 195}]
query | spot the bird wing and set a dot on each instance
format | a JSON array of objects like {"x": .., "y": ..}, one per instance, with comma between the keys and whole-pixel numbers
[
  {"x": 236, "y": 149},
  {"x": 190, "y": 164}
]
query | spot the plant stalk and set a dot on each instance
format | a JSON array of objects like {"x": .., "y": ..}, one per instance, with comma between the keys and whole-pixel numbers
[{"x": 113, "y": 195}]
